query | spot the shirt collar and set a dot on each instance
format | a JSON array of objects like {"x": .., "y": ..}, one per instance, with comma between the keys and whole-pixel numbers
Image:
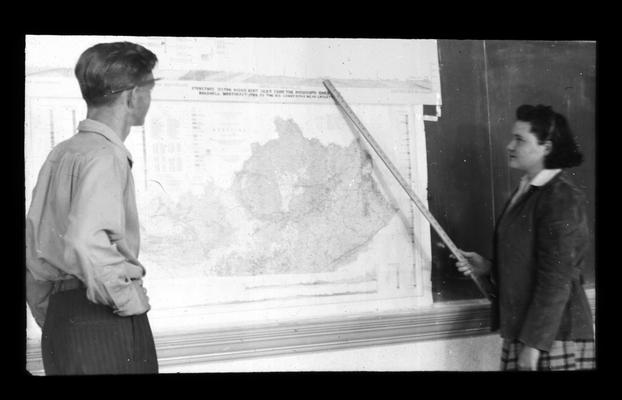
[
  {"x": 90, "y": 125},
  {"x": 542, "y": 178}
]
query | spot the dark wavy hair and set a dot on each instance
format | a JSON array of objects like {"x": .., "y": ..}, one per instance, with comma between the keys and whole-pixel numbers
[
  {"x": 547, "y": 124},
  {"x": 107, "y": 67}
]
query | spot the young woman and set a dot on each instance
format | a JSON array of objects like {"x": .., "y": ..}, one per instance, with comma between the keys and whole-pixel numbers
[{"x": 540, "y": 244}]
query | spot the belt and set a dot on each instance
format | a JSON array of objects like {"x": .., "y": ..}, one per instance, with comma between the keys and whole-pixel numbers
[{"x": 67, "y": 284}]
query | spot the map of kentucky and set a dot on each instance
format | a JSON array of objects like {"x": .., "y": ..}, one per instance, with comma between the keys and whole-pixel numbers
[{"x": 296, "y": 206}]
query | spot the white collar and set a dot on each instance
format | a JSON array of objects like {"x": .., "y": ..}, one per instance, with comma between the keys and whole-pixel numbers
[
  {"x": 90, "y": 125},
  {"x": 542, "y": 178}
]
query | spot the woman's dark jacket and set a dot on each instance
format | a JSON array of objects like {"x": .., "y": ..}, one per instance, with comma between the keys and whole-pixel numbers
[{"x": 540, "y": 247}]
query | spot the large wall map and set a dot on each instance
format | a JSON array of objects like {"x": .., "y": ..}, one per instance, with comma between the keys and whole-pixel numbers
[
  {"x": 257, "y": 198},
  {"x": 295, "y": 206},
  {"x": 248, "y": 202}
]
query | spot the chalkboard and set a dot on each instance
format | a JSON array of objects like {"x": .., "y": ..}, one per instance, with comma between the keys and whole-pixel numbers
[
  {"x": 483, "y": 83},
  {"x": 459, "y": 175},
  {"x": 559, "y": 74}
]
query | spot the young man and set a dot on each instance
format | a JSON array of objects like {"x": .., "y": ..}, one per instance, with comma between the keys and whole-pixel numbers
[{"x": 83, "y": 279}]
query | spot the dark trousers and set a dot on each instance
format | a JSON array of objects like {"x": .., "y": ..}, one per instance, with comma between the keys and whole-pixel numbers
[{"x": 83, "y": 338}]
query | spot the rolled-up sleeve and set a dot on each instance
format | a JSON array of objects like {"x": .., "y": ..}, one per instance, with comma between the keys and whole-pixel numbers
[
  {"x": 96, "y": 221},
  {"x": 561, "y": 236}
]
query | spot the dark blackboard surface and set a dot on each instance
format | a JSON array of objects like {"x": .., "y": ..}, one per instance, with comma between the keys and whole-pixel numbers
[
  {"x": 559, "y": 74},
  {"x": 482, "y": 84},
  {"x": 459, "y": 177}
]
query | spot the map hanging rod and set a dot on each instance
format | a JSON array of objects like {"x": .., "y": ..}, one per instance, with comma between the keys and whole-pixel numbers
[{"x": 483, "y": 286}]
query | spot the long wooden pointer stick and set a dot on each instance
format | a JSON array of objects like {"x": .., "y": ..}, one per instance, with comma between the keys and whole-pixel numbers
[{"x": 483, "y": 286}]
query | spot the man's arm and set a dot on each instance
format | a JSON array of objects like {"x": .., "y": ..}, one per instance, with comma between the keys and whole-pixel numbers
[{"x": 97, "y": 214}]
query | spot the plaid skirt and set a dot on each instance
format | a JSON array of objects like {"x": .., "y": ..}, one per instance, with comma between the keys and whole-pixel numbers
[{"x": 563, "y": 356}]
